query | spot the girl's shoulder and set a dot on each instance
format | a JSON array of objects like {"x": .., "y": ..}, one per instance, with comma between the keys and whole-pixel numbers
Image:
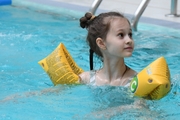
[
  {"x": 85, "y": 77},
  {"x": 132, "y": 72},
  {"x": 130, "y": 75}
]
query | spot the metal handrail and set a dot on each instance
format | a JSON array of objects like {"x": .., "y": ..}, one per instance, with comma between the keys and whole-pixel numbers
[
  {"x": 138, "y": 13},
  {"x": 134, "y": 20},
  {"x": 94, "y": 6},
  {"x": 173, "y": 11}
]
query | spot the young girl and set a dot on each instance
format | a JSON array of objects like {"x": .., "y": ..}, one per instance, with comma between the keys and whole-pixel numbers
[{"x": 110, "y": 37}]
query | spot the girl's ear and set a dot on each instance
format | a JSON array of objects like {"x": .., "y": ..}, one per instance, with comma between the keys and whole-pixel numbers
[{"x": 100, "y": 43}]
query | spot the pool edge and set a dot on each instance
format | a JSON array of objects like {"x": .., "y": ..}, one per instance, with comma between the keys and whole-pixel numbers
[{"x": 79, "y": 10}]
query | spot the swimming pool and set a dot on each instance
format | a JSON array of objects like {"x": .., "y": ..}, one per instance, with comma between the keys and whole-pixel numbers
[{"x": 28, "y": 35}]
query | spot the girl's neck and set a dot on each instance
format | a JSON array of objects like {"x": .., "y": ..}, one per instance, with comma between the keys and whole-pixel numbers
[
  {"x": 113, "y": 64},
  {"x": 113, "y": 70}
]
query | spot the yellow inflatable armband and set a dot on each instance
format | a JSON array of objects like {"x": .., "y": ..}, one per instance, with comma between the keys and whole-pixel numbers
[
  {"x": 60, "y": 66},
  {"x": 153, "y": 82}
]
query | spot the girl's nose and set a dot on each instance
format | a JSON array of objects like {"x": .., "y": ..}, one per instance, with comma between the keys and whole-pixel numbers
[{"x": 128, "y": 40}]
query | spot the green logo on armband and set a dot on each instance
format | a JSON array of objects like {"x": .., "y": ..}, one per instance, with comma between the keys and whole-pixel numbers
[{"x": 134, "y": 84}]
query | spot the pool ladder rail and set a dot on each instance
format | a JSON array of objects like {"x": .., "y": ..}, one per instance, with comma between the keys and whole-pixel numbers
[{"x": 142, "y": 6}]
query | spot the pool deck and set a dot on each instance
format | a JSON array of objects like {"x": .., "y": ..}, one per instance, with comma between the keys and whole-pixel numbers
[{"x": 155, "y": 12}]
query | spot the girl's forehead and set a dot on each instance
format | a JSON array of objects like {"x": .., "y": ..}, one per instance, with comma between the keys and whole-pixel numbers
[
  {"x": 117, "y": 23},
  {"x": 112, "y": 18}
]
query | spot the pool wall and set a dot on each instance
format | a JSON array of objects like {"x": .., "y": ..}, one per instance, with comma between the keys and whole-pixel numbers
[
  {"x": 57, "y": 6},
  {"x": 53, "y": 7}
]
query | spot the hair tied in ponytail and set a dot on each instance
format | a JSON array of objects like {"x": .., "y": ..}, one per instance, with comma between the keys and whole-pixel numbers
[
  {"x": 91, "y": 59},
  {"x": 92, "y": 17}
]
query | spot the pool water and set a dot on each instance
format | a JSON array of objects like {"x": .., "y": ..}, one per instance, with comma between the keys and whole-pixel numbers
[{"x": 28, "y": 35}]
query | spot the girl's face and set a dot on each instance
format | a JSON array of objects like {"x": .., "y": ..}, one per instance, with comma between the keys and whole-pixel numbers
[{"x": 119, "y": 40}]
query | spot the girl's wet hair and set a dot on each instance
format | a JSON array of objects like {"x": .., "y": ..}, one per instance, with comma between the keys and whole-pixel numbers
[{"x": 97, "y": 27}]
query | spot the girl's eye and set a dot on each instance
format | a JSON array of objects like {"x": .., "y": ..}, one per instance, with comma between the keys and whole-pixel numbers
[
  {"x": 121, "y": 35},
  {"x": 130, "y": 35}
]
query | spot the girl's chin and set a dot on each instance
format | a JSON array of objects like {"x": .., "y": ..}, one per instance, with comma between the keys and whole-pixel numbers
[{"x": 128, "y": 55}]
